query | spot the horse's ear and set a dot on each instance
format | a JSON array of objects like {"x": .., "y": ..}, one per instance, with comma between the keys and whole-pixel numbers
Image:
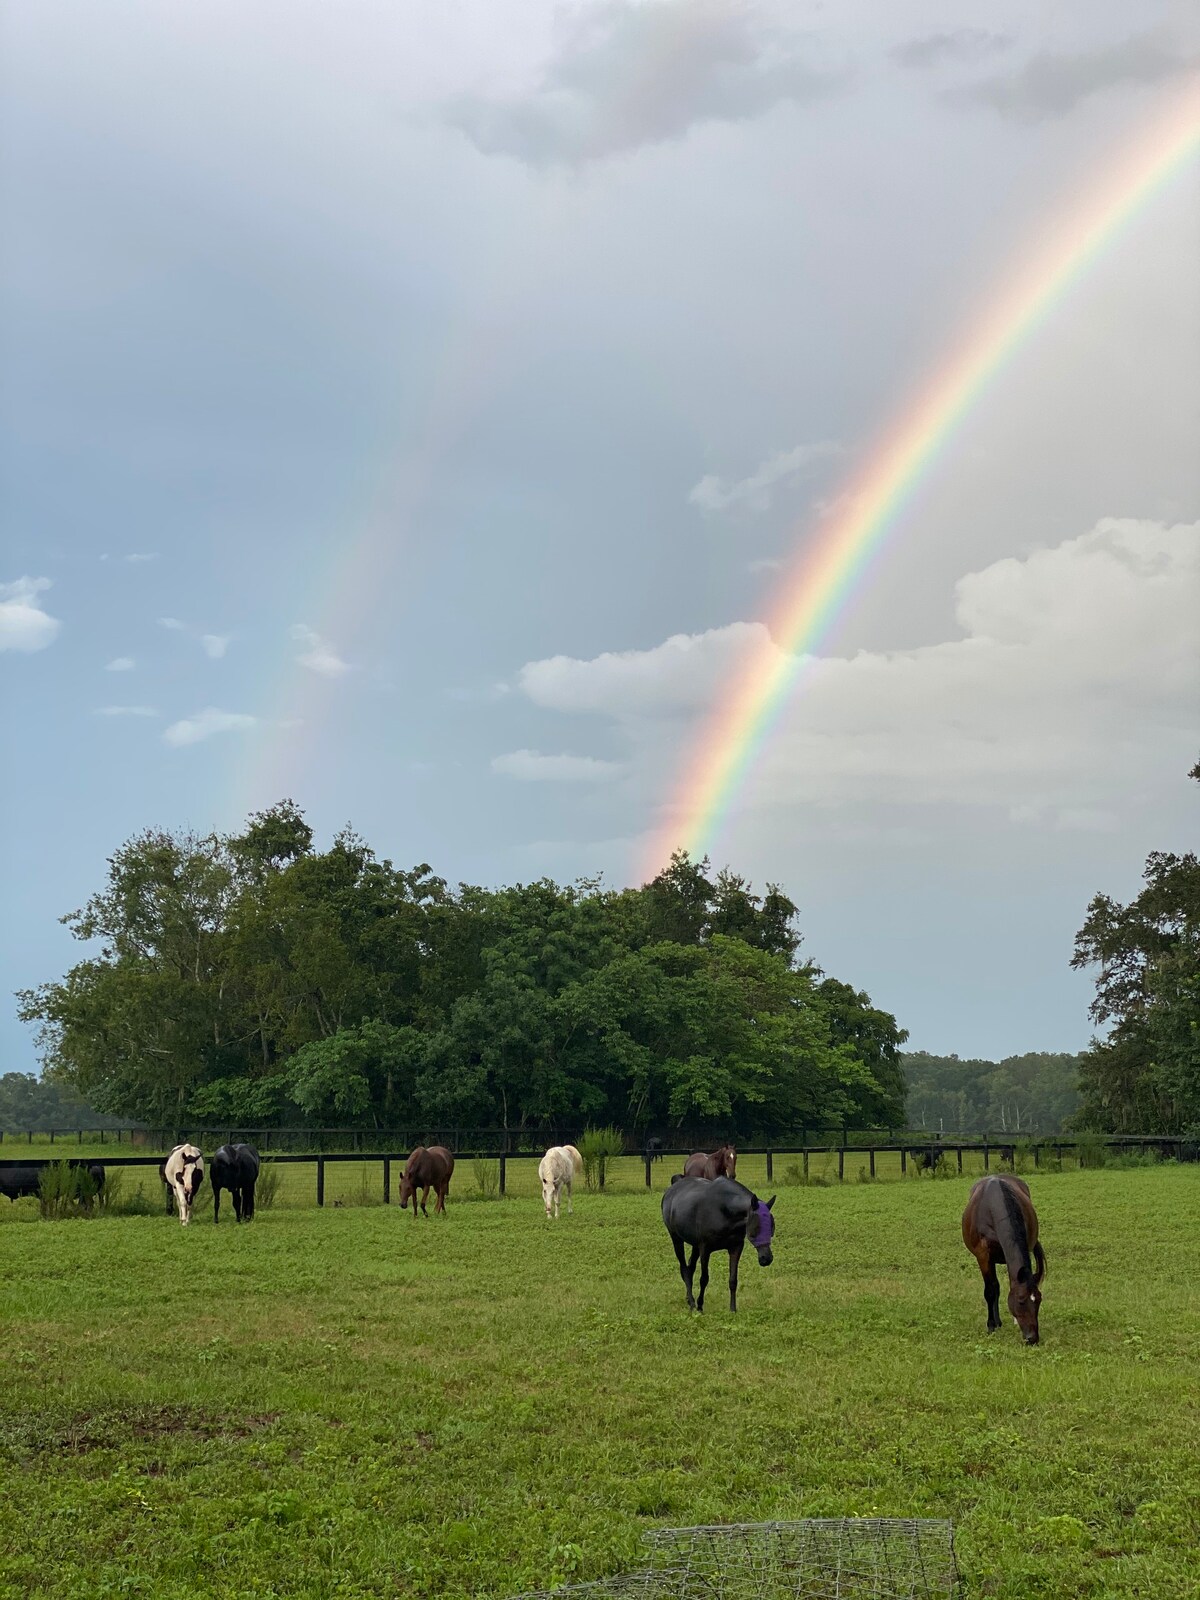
[{"x": 771, "y": 1203}]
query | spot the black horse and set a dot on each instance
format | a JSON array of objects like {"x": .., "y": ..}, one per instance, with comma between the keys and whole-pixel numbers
[
  {"x": 17, "y": 1182},
  {"x": 716, "y": 1214},
  {"x": 234, "y": 1167}
]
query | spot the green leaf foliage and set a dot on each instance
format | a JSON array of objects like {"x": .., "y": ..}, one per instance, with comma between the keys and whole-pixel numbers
[{"x": 253, "y": 979}]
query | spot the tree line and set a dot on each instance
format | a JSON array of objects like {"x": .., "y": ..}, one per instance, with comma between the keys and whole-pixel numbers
[
  {"x": 1033, "y": 1093},
  {"x": 252, "y": 979}
]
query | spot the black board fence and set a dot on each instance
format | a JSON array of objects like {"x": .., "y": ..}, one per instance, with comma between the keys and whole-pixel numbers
[{"x": 920, "y": 1153}]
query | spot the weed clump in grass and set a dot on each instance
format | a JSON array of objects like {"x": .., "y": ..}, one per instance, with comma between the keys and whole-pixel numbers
[
  {"x": 267, "y": 1187},
  {"x": 598, "y": 1146},
  {"x": 1090, "y": 1150},
  {"x": 487, "y": 1176},
  {"x": 66, "y": 1191}
]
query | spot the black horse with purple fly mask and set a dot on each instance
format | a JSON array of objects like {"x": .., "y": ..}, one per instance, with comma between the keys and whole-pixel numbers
[{"x": 716, "y": 1214}]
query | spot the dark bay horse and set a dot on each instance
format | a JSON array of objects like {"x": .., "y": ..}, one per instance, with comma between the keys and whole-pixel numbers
[
  {"x": 721, "y": 1163},
  {"x": 427, "y": 1169},
  {"x": 1000, "y": 1225},
  {"x": 234, "y": 1167},
  {"x": 716, "y": 1214}
]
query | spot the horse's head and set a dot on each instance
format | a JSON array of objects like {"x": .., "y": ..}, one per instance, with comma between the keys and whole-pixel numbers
[
  {"x": 760, "y": 1228},
  {"x": 192, "y": 1175},
  {"x": 730, "y": 1152},
  {"x": 407, "y": 1190},
  {"x": 1024, "y": 1298},
  {"x": 548, "y": 1194}
]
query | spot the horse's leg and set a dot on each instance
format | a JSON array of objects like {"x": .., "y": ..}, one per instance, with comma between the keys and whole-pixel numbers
[
  {"x": 991, "y": 1293},
  {"x": 237, "y": 1204},
  {"x": 735, "y": 1255},
  {"x": 425, "y": 1200},
  {"x": 704, "y": 1255},
  {"x": 217, "y": 1204},
  {"x": 685, "y": 1271},
  {"x": 570, "y": 1207}
]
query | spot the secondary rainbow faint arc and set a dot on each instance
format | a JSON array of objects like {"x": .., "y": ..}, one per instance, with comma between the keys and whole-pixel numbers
[{"x": 820, "y": 583}]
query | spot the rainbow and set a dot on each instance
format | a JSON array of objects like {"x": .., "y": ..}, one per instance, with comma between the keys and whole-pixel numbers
[{"x": 816, "y": 590}]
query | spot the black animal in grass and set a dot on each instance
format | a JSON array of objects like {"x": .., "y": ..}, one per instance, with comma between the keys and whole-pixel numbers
[
  {"x": 17, "y": 1182},
  {"x": 716, "y": 1214},
  {"x": 234, "y": 1167}
]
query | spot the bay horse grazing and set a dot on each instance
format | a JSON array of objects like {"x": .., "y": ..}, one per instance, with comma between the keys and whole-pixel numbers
[
  {"x": 1000, "y": 1225},
  {"x": 557, "y": 1170},
  {"x": 183, "y": 1173},
  {"x": 716, "y": 1214},
  {"x": 427, "y": 1169},
  {"x": 234, "y": 1167},
  {"x": 721, "y": 1163}
]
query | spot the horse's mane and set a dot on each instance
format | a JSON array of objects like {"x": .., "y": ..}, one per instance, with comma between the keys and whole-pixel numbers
[{"x": 1016, "y": 1221}]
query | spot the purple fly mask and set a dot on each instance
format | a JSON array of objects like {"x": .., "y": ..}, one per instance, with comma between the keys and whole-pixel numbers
[{"x": 764, "y": 1225}]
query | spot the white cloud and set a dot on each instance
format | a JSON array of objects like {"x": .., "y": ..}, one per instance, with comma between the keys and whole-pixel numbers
[
  {"x": 1078, "y": 667},
  {"x": 214, "y": 645},
  {"x": 319, "y": 656},
  {"x": 626, "y": 73},
  {"x": 121, "y": 664},
  {"x": 126, "y": 711},
  {"x": 682, "y": 674},
  {"x": 136, "y": 557},
  {"x": 23, "y": 624},
  {"x": 172, "y": 624},
  {"x": 204, "y": 724},
  {"x": 713, "y": 494},
  {"x": 530, "y": 766}
]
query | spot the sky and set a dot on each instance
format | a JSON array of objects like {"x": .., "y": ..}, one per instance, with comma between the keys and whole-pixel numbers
[{"x": 415, "y": 410}]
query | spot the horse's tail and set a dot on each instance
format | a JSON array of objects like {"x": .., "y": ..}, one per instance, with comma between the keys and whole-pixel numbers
[{"x": 576, "y": 1158}]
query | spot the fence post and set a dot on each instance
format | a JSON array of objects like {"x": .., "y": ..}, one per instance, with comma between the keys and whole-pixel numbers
[
  {"x": 872, "y": 1160},
  {"x": 31, "y": 1136},
  {"x": 1036, "y": 1159},
  {"x": 387, "y": 1180},
  {"x": 959, "y": 1153},
  {"x": 842, "y": 1164},
  {"x": 903, "y": 1161},
  {"x": 52, "y": 1136},
  {"x": 647, "y": 1159},
  {"x": 806, "y": 1163},
  {"x": 503, "y": 1170},
  {"x": 320, "y": 1180},
  {"x": 987, "y": 1157},
  {"x": 770, "y": 1165}
]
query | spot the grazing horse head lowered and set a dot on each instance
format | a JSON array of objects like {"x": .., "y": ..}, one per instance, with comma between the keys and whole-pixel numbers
[
  {"x": 425, "y": 1169},
  {"x": 183, "y": 1173},
  {"x": 716, "y": 1214},
  {"x": 1000, "y": 1227}
]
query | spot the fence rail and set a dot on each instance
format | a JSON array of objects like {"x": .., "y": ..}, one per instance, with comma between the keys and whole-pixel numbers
[{"x": 921, "y": 1152}]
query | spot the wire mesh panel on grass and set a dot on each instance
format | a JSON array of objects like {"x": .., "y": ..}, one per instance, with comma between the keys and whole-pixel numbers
[
  {"x": 844, "y": 1558},
  {"x": 836, "y": 1558}
]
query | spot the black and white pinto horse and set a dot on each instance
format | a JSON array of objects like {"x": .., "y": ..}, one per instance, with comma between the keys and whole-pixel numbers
[
  {"x": 183, "y": 1173},
  {"x": 716, "y": 1214},
  {"x": 234, "y": 1167}
]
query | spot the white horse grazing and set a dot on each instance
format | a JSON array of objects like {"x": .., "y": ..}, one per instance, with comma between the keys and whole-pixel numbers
[
  {"x": 558, "y": 1169},
  {"x": 183, "y": 1173}
]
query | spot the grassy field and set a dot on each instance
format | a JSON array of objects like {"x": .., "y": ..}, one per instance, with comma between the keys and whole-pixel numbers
[{"x": 348, "y": 1403}]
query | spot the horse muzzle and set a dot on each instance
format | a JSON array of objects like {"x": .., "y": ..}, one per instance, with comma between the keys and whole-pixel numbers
[{"x": 765, "y": 1257}]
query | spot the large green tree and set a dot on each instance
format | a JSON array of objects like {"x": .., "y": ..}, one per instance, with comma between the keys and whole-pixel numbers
[{"x": 1145, "y": 1076}]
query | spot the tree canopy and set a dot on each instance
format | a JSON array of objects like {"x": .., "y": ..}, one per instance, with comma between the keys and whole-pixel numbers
[
  {"x": 253, "y": 979},
  {"x": 1146, "y": 1073},
  {"x": 1034, "y": 1093}
]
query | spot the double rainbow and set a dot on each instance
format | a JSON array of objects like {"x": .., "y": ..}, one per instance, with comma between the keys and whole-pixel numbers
[{"x": 814, "y": 593}]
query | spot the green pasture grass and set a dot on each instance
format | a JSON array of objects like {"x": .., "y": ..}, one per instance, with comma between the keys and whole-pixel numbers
[{"x": 349, "y": 1402}]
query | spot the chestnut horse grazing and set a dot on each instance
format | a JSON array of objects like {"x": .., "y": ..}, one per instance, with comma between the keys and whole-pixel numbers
[
  {"x": 1000, "y": 1225},
  {"x": 427, "y": 1169},
  {"x": 721, "y": 1163}
]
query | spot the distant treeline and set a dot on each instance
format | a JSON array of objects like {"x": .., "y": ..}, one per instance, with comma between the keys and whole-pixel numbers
[
  {"x": 1037, "y": 1093},
  {"x": 31, "y": 1103},
  {"x": 251, "y": 980}
]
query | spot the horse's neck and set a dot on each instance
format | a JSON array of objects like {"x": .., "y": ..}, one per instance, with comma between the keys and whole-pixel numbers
[{"x": 1012, "y": 1234}]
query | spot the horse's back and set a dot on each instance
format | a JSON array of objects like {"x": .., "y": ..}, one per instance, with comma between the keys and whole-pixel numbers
[
  {"x": 701, "y": 1210},
  {"x": 442, "y": 1162},
  {"x": 987, "y": 1198},
  {"x": 696, "y": 1165}
]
